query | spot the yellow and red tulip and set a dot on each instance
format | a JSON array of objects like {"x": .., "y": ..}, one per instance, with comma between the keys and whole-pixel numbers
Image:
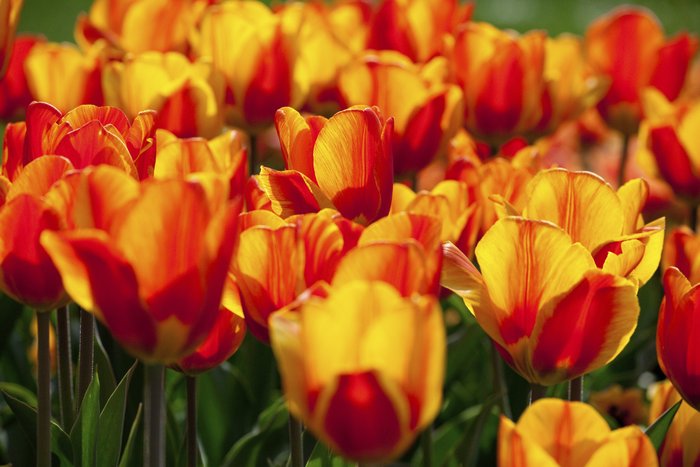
[
  {"x": 427, "y": 110},
  {"x": 259, "y": 62},
  {"x": 553, "y": 432},
  {"x": 14, "y": 89},
  {"x": 682, "y": 250},
  {"x": 676, "y": 335},
  {"x": 363, "y": 368},
  {"x": 541, "y": 298},
  {"x": 9, "y": 16},
  {"x": 679, "y": 446},
  {"x": 150, "y": 261},
  {"x": 188, "y": 96},
  {"x": 344, "y": 162},
  {"x": 625, "y": 406},
  {"x": 628, "y": 46}
]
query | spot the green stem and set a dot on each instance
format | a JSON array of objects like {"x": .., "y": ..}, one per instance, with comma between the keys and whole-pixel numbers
[
  {"x": 623, "y": 159},
  {"x": 191, "y": 421},
  {"x": 65, "y": 366},
  {"x": 296, "y": 447},
  {"x": 499, "y": 381},
  {"x": 537, "y": 392},
  {"x": 693, "y": 221},
  {"x": 253, "y": 163},
  {"x": 86, "y": 354},
  {"x": 426, "y": 441},
  {"x": 154, "y": 411},
  {"x": 576, "y": 389},
  {"x": 43, "y": 425}
]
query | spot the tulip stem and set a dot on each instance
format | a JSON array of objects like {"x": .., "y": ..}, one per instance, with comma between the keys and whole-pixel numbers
[
  {"x": 65, "y": 366},
  {"x": 499, "y": 381},
  {"x": 623, "y": 159},
  {"x": 693, "y": 221},
  {"x": 537, "y": 392},
  {"x": 154, "y": 410},
  {"x": 253, "y": 155},
  {"x": 576, "y": 389},
  {"x": 426, "y": 440},
  {"x": 43, "y": 425},
  {"x": 296, "y": 447},
  {"x": 86, "y": 354},
  {"x": 191, "y": 421}
]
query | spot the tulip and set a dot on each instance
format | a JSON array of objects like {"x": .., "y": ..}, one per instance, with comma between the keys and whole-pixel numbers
[
  {"x": 625, "y": 406},
  {"x": 344, "y": 162},
  {"x": 259, "y": 61},
  {"x": 553, "y": 432},
  {"x": 628, "y": 46},
  {"x": 363, "y": 368},
  {"x": 540, "y": 297},
  {"x": 427, "y": 110},
  {"x": 14, "y": 89},
  {"x": 150, "y": 261},
  {"x": 86, "y": 135},
  {"x": 606, "y": 222},
  {"x": 682, "y": 250},
  {"x": 419, "y": 29},
  {"x": 675, "y": 335},
  {"x": 9, "y": 16},
  {"x": 188, "y": 96},
  {"x": 63, "y": 75},
  {"x": 679, "y": 446},
  {"x": 141, "y": 25}
]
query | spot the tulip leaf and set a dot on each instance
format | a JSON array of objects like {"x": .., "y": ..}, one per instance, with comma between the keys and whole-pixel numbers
[
  {"x": 86, "y": 426},
  {"x": 657, "y": 430},
  {"x": 19, "y": 392},
  {"x": 321, "y": 456},
  {"x": 26, "y": 416},
  {"x": 130, "y": 448},
  {"x": 111, "y": 423},
  {"x": 103, "y": 367}
]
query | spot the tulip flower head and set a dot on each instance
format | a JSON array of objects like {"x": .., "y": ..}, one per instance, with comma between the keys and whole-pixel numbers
[
  {"x": 679, "y": 446},
  {"x": 682, "y": 250},
  {"x": 9, "y": 16}
]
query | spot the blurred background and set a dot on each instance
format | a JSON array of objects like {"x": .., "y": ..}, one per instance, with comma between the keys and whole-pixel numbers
[{"x": 55, "y": 18}]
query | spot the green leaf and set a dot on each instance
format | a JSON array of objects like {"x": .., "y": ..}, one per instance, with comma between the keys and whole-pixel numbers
[
  {"x": 111, "y": 423},
  {"x": 26, "y": 416},
  {"x": 657, "y": 430},
  {"x": 130, "y": 448},
  {"x": 321, "y": 456},
  {"x": 19, "y": 392},
  {"x": 103, "y": 367},
  {"x": 84, "y": 431}
]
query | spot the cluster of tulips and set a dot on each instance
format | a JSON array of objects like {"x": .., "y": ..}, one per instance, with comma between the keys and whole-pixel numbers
[{"x": 325, "y": 176}]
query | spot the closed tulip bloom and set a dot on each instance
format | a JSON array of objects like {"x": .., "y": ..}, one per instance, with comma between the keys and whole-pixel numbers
[
  {"x": 682, "y": 250},
  {"x": 628, "y": 46},
  {"x": 679, "y": 447},
  {"x": 676, "y": 335},
  {"x": 87, "y": 135},
  {"x": 363, "y": 368},
  {"x": 14, "y": 89},
  {"x": 553, "y": 432},
  {"x": 153, "y": 264},
  {"x": 223, "y": 340},
  {"x": 188, "y": 96},
  {"x": 344, "y": 162},
  {"x": 65, "y": 76},
  {"x": 427, "y": 110},
  {"x": 540, "y": 297},
  {"x": 256, "y": 50},
  {"x": 9, "y": 16},
  {"x": 419, "y": 29}
]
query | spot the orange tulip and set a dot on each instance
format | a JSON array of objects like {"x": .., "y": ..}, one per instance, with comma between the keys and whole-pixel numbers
[
  {"x": 344, "y": 162},
  {"x": 63, "y": 75},
  {"x": 149, "y": 261},
  {"x": 363, "y": 368},
  {"x": 606, "y": 222},
  {"x": 427, "y": 110},
  {"x": 9, "y": 16},
  {"x": 625, "y": 406},
  {"x": 223, "y": 340},
  {"x": 676, "y": 335},
  {"x": 256, "y": 51},
  {"x": 628, "y": 46},
  {"x": 679, "y": 446},
  {"x": 188, "y": 96},
  {"x": 140, "y": 25},
  {"x": 418, "y": 29},
  {"x": 86, "y": 135},
  {"x": 553, "y": 432},
  {"x": 540, "y": 297},
  {"x": 14, "y": 90},
  {"x": 682, "y": 250}
]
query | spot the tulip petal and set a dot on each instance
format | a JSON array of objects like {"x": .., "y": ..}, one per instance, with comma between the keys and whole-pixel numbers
[
  {"x": 291, "y": 192},
  {"x": 39, "y": 176},
  {"x": 514, "y": 450}
]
